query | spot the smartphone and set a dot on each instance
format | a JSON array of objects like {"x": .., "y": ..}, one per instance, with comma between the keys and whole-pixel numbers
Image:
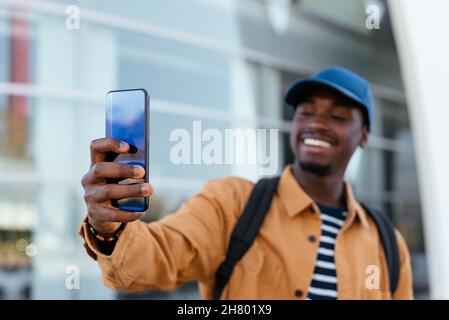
[{"x": 127, "y": 119}]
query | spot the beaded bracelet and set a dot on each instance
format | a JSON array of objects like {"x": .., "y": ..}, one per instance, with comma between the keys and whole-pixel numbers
[{"x": 111, "y": 238}]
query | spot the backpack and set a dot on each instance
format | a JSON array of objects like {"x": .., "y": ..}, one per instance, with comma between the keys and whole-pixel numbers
[{"x": 248, "y": 225}]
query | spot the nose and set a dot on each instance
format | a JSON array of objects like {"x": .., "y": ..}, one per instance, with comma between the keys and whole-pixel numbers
[{"x": 318, "y": 122}]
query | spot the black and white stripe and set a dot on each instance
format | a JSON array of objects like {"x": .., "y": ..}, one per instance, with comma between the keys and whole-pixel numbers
[{"x": 324, "y": 279}]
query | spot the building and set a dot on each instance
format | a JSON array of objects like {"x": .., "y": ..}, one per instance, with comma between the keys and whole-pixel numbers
[{"x": 225, "y": 63}]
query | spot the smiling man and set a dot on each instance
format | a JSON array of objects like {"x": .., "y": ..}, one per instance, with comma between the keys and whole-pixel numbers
[
  {"x": 333, "y": 115},
  {"x": 314, "y": 240}
]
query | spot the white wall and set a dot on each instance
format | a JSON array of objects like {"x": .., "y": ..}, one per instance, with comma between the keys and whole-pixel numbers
[{"x": 421, "y": 29}]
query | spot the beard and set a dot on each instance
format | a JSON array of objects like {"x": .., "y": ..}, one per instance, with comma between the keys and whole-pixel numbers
[{"x": 320, "y": 170}]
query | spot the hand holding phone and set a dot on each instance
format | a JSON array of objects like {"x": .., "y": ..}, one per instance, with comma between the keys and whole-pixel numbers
[
  {"x": 110, "y": 164},
  {"x": 102, "y": 215}
]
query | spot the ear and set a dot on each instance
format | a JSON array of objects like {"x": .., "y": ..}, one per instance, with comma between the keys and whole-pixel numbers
[{"x": 363, "y": 143}]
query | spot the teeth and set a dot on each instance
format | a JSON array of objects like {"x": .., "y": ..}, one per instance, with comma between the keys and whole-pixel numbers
[{"x": 317, "y": 143}]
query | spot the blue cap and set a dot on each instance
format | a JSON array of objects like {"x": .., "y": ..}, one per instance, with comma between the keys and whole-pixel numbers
[{"x": 347, "y": 82}]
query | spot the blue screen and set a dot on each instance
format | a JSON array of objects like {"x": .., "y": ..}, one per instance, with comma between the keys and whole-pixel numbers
[{"x": 126, "y": 118}]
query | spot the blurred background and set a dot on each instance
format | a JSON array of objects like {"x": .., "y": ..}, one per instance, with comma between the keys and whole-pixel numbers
[{"x": 224, "y": 62}]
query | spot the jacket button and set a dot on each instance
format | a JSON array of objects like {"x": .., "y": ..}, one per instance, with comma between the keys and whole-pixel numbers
[
  {"x": 298, "y": 293},
  {"x": 312, "y": 239}
]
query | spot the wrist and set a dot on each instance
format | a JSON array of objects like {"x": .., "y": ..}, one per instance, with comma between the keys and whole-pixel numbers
[
  {"x": 104, "y": 227},
  {"x": 106, "y": 237}
]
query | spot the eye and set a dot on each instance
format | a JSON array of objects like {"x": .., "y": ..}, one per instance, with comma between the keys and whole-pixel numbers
[
  {"x": 304, "y": 112},
  {"x": 339, "y": 117},
  {"x": 341, "y": 114}
]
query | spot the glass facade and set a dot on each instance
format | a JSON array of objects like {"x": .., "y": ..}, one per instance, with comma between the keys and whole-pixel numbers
[{"x": 225, "y": 63}]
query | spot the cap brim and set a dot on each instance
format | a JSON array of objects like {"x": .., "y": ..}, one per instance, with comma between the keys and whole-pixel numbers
[{"x": 300, "y": 88}]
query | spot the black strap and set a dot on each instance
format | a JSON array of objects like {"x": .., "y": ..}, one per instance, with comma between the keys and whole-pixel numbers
[
  {"x": 249, "y": 223},
  {"x": 246, "y": 230},
  {"x": 390, "y": 245}
]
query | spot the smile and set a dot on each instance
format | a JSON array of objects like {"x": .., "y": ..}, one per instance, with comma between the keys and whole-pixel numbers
[{"x": 316, "y": 143}]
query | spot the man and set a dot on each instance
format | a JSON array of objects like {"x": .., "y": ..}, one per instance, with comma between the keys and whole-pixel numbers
[{"x": 316, "y": 242}]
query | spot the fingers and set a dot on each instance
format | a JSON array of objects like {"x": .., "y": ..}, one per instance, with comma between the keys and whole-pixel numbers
[
  {"x": 98, "y": 193},
  {"x": 108, "y": 192},
  {"x": 110, "y": 170},
  {"x": 100, "y": 147},
  {"x": 109, "y": 213}
]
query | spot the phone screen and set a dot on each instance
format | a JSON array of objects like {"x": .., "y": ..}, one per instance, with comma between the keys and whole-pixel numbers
[{"x": 127, "y": 120}]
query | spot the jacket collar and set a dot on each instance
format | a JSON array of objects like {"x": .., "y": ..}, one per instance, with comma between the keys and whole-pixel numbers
[{"x": 296, "y": 200}]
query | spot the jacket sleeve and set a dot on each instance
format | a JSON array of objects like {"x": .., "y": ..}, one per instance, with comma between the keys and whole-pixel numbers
[
  {"x": 184, "y": 246},
  {"x": 404, "y": 290}
]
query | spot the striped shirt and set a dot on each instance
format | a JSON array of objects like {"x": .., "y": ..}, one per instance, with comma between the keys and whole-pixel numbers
[{"x": 324, "y": 279}]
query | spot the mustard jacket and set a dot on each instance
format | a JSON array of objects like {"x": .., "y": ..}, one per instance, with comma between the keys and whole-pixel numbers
[{"x": 191, "y": 243}]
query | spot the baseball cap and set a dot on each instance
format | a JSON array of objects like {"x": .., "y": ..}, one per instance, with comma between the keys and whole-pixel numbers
[{"x": 345, "y": 81}]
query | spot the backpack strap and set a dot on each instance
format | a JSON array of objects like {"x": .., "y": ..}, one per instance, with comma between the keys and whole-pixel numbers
[
  {"x": 249, "y": 223},
  {"x": 389, "y": 242},
  {"x": 245, "y": 230}
]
